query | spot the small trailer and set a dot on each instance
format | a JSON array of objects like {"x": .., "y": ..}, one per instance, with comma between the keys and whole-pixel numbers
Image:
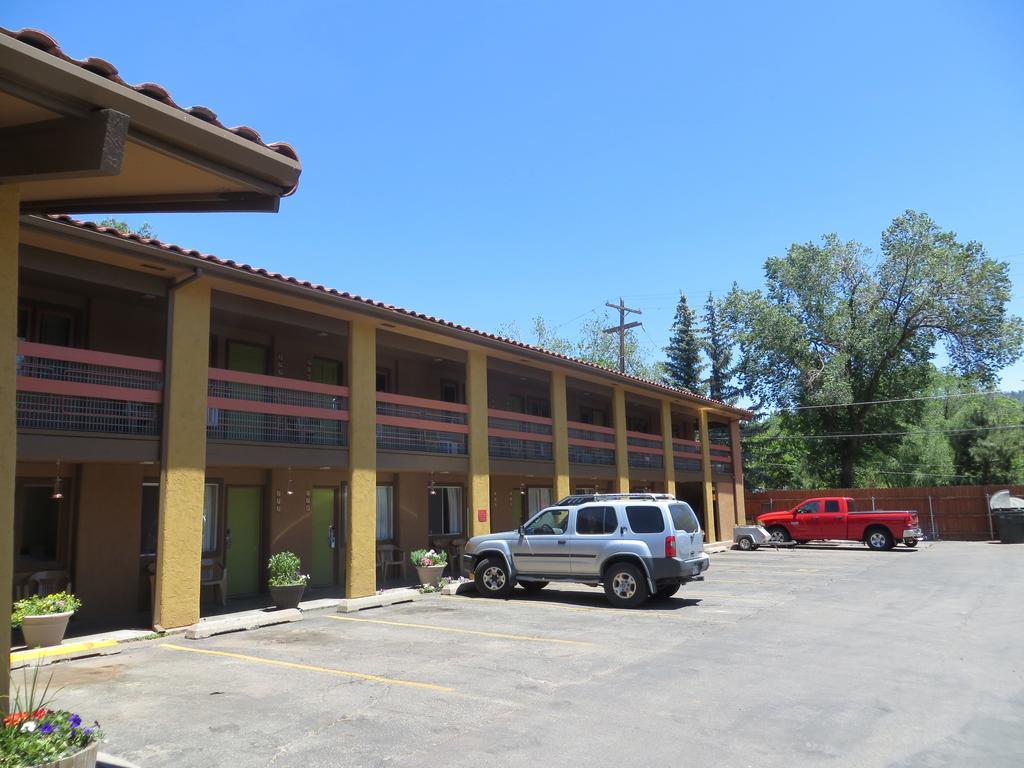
[{"x": 749, "y": 537}]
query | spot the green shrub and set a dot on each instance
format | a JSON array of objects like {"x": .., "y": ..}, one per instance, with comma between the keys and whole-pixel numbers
[
  {"x": 284, "y": 568},
  {"x": 59, "y": 602},
  {"x": 428, "y": 557}
]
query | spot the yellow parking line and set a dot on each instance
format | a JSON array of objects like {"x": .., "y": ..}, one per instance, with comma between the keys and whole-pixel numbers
[
  {"x": 309, "y": 668},
  {"x": 60, "y": 650},
  {"x": 435, "y": 628}
]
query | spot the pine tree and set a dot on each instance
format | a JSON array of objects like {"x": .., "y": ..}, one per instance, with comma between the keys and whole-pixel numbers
[
  {"x": 684, "y": 368},
  {"x": 718, "y": 348}
]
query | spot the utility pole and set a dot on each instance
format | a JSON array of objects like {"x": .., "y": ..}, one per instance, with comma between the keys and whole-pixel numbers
[{"x": 621, "y": 329}]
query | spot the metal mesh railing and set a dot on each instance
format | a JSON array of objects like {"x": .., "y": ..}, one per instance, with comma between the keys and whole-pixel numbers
[
  {"x": 586, "y": 434},
  {"x": 244, "y": 426},
  {"x": 654, "y": 441},
  {"x": 516, "y": 425},
  {"x": 65, "y": 413},
  {"x": 392, "y": 438},
  {"x": 87, "y": 373},
  {"x": 508, "y": 448},
  {"x": 646, "y": 460},
  {"x": 260, "y": 393},
  {"x": 585, "y": 454},
  {"x": 692, "y": 465},
  {"x": 420, "y": 412}
]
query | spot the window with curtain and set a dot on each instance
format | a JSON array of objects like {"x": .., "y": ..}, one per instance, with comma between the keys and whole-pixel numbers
[
  {"x": 385, "y": 513},
  {"x": 445, "y": 510},
  {"x": 210, "y": 511},
  {"x": 537, "y": 499}
]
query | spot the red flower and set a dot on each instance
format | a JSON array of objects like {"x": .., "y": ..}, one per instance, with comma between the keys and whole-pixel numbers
[
  {"x": 38, "y": 714},
  {"x": 15, "y": 719}
]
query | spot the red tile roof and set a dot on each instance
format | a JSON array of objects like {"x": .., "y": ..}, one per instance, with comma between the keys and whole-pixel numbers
[
  {"x": 105, "y": 69},
  {"x": 177, "y": 249}
]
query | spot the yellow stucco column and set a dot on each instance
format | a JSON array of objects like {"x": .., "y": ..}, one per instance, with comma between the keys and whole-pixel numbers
[
  {"x": 183, "y": 467},
  {"x": 9, "y": 202},
  {"x": 621, "y": 446},
  {"x": 666, "y": 438},
  {"x": 709, "y": 492},
  {"x": 479, "y": 452},
  {"x": 560, "y": 435},
  {"x": 737, "y": 472},
  {"x": 361, "y": 555}
]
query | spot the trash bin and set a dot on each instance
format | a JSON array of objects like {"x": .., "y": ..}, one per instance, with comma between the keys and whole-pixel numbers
[{"x": 1009, "y": 525}]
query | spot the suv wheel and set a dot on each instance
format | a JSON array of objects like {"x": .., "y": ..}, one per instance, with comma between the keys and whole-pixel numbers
[
  {"x": 533, "y": 586},
  {"x": 493, "y": 579},
  {"x": 625, "y": 586}
]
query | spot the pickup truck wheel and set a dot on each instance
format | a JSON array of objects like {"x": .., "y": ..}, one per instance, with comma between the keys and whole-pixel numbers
[
  {"x": 533, "y": 586},
  {"x": 779, "y": 535},
  {"x": 625, "y": 586},
  {"x": 879, "y": 539},
  {"x": 493, "y": 579},
  {"x": 667, "y": 591},
  {"x": 910, "y": 542}
]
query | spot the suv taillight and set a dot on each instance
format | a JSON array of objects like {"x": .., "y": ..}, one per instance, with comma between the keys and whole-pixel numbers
[{"x": 670, "y": 546}]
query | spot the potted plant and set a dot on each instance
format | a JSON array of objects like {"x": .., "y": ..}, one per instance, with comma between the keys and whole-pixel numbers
[
  {"x": 286, "y": 582},
  {"x": 429, "y": 565},
  {"x": 38, "y": 736},
  {"x": 43, "y": 620}
]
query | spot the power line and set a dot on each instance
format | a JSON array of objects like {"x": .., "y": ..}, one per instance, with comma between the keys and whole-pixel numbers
[
  {"x": 885, "y": 434},
  {"x": 898, "y": 400},
  {"x": 879, "y": 471}
]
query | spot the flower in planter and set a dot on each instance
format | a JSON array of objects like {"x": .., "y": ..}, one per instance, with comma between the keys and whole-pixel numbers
[
  {"x": 59, "y": 602},
  {"x": 285, "y": 570},
  {"x": 36, "y": 734},
  {"x": 428, "y": 557}
]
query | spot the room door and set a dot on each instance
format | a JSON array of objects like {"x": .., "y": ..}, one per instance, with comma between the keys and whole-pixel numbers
[
  {"x": 325, "y": 537},
  {"x": 243, "y": 540}
]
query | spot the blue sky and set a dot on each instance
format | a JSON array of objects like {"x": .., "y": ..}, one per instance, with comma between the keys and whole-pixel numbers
[{"x": 488, "y": 162}]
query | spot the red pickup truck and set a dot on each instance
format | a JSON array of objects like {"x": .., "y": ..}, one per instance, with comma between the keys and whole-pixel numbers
[{"x": 836, "y": 517}]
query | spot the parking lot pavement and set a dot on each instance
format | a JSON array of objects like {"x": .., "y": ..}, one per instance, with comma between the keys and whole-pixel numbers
[{"x": 830, "y": 655}]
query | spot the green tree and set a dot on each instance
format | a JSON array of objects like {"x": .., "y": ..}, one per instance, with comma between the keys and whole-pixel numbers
[
  {"x": 684, "y": 367},
  {"x": 125, "y": 228},
  {"x": 595, "y": 346},
  {"x": 718, "y": 346},
  {"x": 833, "y": 326}
]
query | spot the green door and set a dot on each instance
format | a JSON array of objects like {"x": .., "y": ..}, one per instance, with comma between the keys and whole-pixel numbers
[
  {"x": 325, "y": 538},
  {"x": 243, "y": 540}
]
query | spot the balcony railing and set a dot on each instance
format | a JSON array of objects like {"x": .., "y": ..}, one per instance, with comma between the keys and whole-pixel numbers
[
  {"x": 686, "y": 454},
  {"x": 249, "y": 407},
  {"x": 721, "y": 457},
  {"x": 518, "y": 436},
  {"x": 78, "y": 390},
  {"x": 419, "y": 425},
  {"x": 645, "y": 451},
  {"x": 591, "y": 444}
]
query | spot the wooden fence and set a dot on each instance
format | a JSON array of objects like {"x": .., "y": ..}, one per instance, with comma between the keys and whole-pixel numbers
[{"x": 947, "y": 512}]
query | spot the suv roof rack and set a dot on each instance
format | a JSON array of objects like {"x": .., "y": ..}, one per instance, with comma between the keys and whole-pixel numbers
[{"x": 584, "y": 498}]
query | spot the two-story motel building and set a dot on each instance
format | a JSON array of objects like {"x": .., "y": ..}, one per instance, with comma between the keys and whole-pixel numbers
[{"x": 188, "y": 409}]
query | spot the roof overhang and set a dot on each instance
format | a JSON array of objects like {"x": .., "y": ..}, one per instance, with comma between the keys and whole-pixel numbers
[{"x": 153, "y": 156}]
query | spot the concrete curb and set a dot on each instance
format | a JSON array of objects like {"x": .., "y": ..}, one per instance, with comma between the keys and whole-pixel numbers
[
  {"x": 211, "y": 627},
  {"x": 42, "y": 656},
  {"x": 391, "y": 597}
]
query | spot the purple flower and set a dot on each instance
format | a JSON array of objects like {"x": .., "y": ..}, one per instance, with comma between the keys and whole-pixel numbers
[
  {"x": 86, "y": 732},
  {"x": 75, "y": 721},
  {"x": 46, "y": 729}
]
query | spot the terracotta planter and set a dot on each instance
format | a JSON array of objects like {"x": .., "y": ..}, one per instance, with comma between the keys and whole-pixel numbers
[
  {"x": 429, "y": 575},
  {"x": 84, "y": 759},
  {"x": 46, "y": 630},
  {"x": 287, "y": 597}
]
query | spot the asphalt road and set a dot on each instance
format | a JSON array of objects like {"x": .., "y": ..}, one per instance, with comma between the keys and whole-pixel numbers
[{"x": 819, "y": 656}]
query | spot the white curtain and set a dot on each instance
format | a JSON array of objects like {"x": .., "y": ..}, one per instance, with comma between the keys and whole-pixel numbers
[
  {"x": 453, "y": 509},
  {"x": 385, "y": 513},
  {"x": 537, "y": 499},
  {"x": 210, "y": 517}
]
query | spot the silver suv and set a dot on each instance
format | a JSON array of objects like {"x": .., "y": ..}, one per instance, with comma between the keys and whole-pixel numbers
[{"x": 636, "y": 545}]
